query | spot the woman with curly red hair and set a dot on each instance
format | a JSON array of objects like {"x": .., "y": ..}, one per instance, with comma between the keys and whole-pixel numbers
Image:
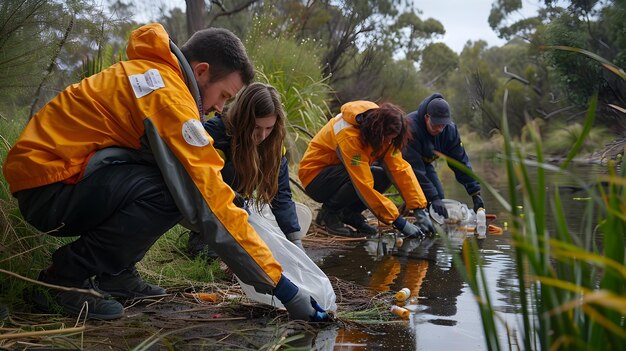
[{"x": 353, "y": 160}]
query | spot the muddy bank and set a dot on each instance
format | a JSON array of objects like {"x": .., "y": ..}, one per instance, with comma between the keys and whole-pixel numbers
[{"x": 182, "y": 321}]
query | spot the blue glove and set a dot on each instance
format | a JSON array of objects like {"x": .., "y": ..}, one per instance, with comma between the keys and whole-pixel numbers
[
  {"x": 409, "y": 230},
  {"x": 299, "y": 305},
  {"x": 422, "y": 219},
  {"x": 439, "y": 207},
  {"x": 478, "y": 202}
]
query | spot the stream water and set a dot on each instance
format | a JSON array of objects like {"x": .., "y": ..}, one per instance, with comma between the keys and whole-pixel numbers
[{"x": 445, "y": 315}]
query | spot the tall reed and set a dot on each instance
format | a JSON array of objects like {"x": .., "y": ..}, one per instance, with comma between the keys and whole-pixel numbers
[{"x": 572, "y": 287}]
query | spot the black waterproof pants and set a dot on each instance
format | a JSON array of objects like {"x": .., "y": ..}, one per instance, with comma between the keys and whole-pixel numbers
[
  {"x": 118, "y": 212},
  {"x": 333, "y": 188}
]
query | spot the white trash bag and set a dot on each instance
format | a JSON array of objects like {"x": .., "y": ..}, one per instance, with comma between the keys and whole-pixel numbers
[
  {"x": 297, "y": 266},
  {"x": 304, "y": 213}
]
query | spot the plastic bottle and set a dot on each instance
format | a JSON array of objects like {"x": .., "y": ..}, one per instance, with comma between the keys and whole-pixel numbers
[
  {"x": 399, "y": 242},
  {"x": 403, "y": 294},
  {"x": 481, "y": 223},
  {"x": 400, "y": 312}
]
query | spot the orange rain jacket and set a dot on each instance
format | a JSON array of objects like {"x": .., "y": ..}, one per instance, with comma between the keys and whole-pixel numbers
[
  {"x": 103, "y": 117},
  {"x": 339, "y": 141}
]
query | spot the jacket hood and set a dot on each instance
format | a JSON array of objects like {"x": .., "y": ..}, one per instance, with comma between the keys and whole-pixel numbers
[
  {"x": 151, "y": 42},
  {"x": 350, "y": 110}
]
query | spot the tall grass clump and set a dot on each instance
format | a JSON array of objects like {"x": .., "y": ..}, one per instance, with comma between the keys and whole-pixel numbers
[
  {"x": 572, "y": 286},
  {"x": 560, "y": 139},
  {"x": 293, "y": 68},
  {"x": 23, "y": 249}
]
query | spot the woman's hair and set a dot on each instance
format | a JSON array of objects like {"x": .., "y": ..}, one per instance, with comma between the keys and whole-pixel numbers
[
  {"x": 378, "y": 123},
  {"x": 256, "y": 166}
]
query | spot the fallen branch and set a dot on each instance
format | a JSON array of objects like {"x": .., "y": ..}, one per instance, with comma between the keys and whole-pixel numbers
[
  {"x": 52, "y": 286},
  {"x": 42, "y": 333}
]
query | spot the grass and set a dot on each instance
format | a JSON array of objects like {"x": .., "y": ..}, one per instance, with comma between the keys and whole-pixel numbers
[{"x": 572, "y": 286}]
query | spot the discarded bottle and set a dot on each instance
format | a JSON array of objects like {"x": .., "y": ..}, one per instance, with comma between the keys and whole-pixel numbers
[
  {"x": 399, "y": 242},
  {"x": 403, "y": 294},
  {"x": 400, "y": 312},
  {"x": 481, "y": 223}
]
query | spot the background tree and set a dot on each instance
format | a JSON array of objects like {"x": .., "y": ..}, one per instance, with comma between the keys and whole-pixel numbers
[
  {"x": 438, "y": 61},
  {"x": 596, "y": 26},
  {"x": 359, "y": 39},
  {"x": 28, "y": 33},
  {"x": 43, "y": 45}
]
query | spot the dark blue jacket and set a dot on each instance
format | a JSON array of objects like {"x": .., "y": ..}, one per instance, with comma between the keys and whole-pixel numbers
[
  {"x": 283, "y": 207},
  {"x": 420, "y": 153}
]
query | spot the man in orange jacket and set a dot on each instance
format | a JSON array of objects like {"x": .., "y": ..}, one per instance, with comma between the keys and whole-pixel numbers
[{"x": 120, "y": 157}]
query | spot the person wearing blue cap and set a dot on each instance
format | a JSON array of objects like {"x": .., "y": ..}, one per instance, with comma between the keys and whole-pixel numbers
[{"x": 433, "y": 131}]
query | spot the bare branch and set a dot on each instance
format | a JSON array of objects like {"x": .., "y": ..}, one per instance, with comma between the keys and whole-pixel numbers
[
  {"x": 51, "y": 66},
  {"x": 52, "y": 286},
  {"x": 519, "y": 78},
  {"x": 233, "y": 11}
]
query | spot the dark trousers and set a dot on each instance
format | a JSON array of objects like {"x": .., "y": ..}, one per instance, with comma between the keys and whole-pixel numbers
[
  {"x": 118, "y": 212},
  {"x": 334, "y": 189}
]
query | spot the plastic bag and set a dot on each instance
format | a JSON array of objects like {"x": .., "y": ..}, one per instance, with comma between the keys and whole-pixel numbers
[
  {"x": 457, "y": 212},
  {"x": 304, "y": 213},
  {"x": 297, "y": 266}
]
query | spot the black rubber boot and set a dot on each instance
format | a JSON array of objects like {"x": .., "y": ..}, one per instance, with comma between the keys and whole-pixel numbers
[
  {"x": 197, "y": 247},
  {"x": 357, "y": 221},
  {"x": 72, "y": 302},
  {"x": 128, "y": 284},
  {"x": 329, "y": 219}
]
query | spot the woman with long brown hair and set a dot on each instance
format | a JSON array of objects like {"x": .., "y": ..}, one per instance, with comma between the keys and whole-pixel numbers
[
  {"x": 249, "y": 137},
  {"x": 353, "y": 160}
]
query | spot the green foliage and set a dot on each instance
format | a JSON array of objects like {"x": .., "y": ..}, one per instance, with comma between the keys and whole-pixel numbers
[
  {"x": 293, "y": 68},
  {"x": 399, "y": 83},
  {"x": 411, "y": 33},
  {"x": 438, "y": 62},
  {"x": 26, "y": 47},
  {"x": 581, "y": 75},
  {"x": 501, "y": 10},
  {"x": 104, "y": 57},
  {"x": 572, "y": 287},
  {"x": 473, "y": 88},
  {"x": 595, "y": 26},
  {"x": 168, "y": 263},
  {"x": 345, "y": 33},
  {"x": 97, "y": 41},
  {"x": 176, "y": 25},
  {"x": 305, "y": 116},
  {"x": 43, "y": 45},
  {"x": 562, "y": 137},
  {"x": 23, "y": 249}
]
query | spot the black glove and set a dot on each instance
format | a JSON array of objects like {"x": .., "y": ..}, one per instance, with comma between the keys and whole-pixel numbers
[
  {"x": 241, "y": 202},
  {"x": 478, "y": 202},
  {"x": 407, "y": 228},
  {"x": 422, "y": 219},
  {"x": 299, "y": 304},
  {"x": 440, "y": 208}
]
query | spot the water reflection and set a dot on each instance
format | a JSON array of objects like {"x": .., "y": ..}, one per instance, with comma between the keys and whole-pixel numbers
[
  {"x": 444, "y": 313},
  {"x": 426, "y": 268}
]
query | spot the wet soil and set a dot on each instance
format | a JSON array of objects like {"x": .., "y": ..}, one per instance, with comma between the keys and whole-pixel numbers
[{"x": 180, "y": 321}]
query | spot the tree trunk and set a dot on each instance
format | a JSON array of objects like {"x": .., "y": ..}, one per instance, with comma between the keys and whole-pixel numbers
[{"x": 195, "y": 16}]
